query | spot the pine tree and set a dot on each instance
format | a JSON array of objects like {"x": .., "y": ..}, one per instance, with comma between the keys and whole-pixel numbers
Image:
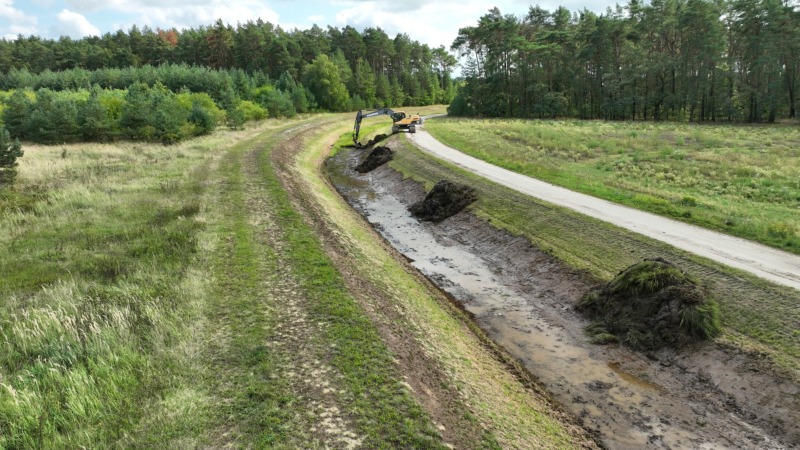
[{"x": 10, "y": 150}]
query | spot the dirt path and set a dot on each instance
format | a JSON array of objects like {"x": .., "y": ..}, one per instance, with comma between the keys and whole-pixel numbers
[
  {"x": 266, "y": 360},
  {"x": 765, "y": 262},
  {"x": 297, "y": 337}
]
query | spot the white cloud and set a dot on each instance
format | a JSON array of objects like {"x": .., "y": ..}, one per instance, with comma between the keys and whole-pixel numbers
[
  {"x": 14, "y": 22},
  {"x": 317, "y": 18},
  {"x": 432, "y": 23},
  {"x": 74, "y": 25},
  {"x": 182, "y": 13}
]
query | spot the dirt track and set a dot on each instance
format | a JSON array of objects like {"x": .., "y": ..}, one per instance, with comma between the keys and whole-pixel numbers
[{"x": 768, "y": 263}]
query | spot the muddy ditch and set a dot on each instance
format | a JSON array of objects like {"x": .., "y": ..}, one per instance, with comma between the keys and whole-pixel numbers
[{"x": 703, "y": 396}]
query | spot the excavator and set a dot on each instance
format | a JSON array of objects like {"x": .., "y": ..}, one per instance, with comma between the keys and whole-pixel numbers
[{"x": 400, "y": 121}]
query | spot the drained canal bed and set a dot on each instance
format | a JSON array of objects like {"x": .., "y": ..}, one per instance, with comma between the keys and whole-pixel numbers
[{"x": 524, "y": 300}]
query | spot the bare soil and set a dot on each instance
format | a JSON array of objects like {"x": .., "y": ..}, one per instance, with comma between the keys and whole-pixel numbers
[
  {"x": 703, "y": 396},
  {"x": 377, "y": 157},
  {"x": 444, "y": 200}
]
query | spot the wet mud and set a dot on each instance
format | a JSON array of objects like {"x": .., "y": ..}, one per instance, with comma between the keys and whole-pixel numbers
[
  {"x": 651, "y": 305},
  {"x": 371, "y": 142},
  {"x": 444, "y": 200},
  {"x": 703, "y": 396},
  {"x": 375, "y": 158}
]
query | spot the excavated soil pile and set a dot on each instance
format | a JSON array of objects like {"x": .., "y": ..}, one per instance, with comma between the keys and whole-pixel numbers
[
  {"x": 377, "y": 157},
  {"x": 372, "y": 141},
  {"x": 650, "y": 305},
  {"x": 445, "y": 199}
]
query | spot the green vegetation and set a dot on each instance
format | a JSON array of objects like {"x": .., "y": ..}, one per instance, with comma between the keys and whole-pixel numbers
[
  {"x": 695, "y": 60},
  {"x": 9, "y": 152},
  {"x": 229, "y": 62},
  {"x": 100, "y": 283},
  {"x": 138, "y": 113},
  {"x": 650, "y": 305},
  {"x": 471, "y": 364},
  {"x": 754, "y": 314},
  {"x": 173, "y": 297},
  {"x": 385, "y": 413},
  {"x": 740, "y": 180}
]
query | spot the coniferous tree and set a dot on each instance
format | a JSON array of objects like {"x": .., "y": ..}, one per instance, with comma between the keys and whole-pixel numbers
[
  {"x": 93, "y": 118},
  {"x": 17, "y": 109},
  {"x": 10, "y": 150}
]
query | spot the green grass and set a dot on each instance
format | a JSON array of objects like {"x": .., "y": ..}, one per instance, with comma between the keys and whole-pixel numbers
[
  {"x": 97, "y": 287},
  {"x": 754, "y": 314},
  {"x": 144, "y": 288},
  {"x": 742, "y": 180}
]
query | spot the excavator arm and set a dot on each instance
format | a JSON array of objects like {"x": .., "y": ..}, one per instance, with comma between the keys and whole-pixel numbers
[{"x": 363, "y": 115}]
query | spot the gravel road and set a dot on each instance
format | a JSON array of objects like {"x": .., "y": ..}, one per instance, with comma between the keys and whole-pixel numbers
[{"x": 765, "y": 262}]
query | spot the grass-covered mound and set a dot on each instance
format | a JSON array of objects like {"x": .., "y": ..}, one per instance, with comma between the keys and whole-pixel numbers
[
  {"x": 650, "y": 305},
  {"x": 445, "y": 199},
  {"x": 376, "y": 158}
]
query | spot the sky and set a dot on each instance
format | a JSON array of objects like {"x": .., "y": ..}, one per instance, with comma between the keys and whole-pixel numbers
[{"x": 433, "y": 22}]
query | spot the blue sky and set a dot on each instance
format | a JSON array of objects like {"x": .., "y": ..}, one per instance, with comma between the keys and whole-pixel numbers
[{"x": 431, "y": 22}]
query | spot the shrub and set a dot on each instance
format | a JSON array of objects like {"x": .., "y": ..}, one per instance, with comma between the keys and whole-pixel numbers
[
  {"x": 780, "y": 230},
  {"x": 9, "y": 152},
  {"x": 202, "y": 119},
  {"x": 250, "y": 111},
  {"x": 460, "y": 106},
  {"x": 689, "y": 201}
]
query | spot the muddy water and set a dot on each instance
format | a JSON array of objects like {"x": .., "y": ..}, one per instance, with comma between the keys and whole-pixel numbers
[{"x": 629, "y": 401}]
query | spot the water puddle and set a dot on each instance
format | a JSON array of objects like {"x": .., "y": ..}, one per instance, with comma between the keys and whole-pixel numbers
[{"x": 627, "y": 410}]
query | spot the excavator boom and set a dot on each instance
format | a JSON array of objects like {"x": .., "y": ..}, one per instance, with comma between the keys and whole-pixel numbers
[
  {"x": 363, "y": 115},
  {"x": 400, "y": 121}
]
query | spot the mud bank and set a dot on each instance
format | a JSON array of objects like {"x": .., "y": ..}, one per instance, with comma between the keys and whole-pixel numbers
[{"x": 701, "y": 397}]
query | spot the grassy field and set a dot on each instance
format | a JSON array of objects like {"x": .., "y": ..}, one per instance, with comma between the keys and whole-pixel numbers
[
  {"x": 176, "y": 297},
  {"x": 755, "y": 314},
  {"x": 742, "y": 180},
  {"x": 101, "y": 276},
  {"x": 141, "y": 297}
]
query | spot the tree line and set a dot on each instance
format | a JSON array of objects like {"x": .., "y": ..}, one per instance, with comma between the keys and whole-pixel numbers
[
  {"x": 376, "y": 70},
  {"x": 168, "y": 85},
  {"x": 695, "y": 60}
]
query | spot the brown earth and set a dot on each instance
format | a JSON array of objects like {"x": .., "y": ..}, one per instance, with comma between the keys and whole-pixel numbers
[
  {"x": 377, "y": 157},
  {"x": 307, "y": 367},
  {"x": 444, "y": 200},
  {"x": 371, "y": 142},
  {"x": 651, "y": 305},
  {"x": 706, "y": 395}
]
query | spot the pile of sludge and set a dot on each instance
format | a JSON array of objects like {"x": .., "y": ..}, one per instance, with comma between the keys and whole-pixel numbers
[
  {"x": 376, "y": 158},
  {"x": 651, "y": 305},
  {"x": 373, "y": 141},
  {"x": 444, "y": 200}
]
